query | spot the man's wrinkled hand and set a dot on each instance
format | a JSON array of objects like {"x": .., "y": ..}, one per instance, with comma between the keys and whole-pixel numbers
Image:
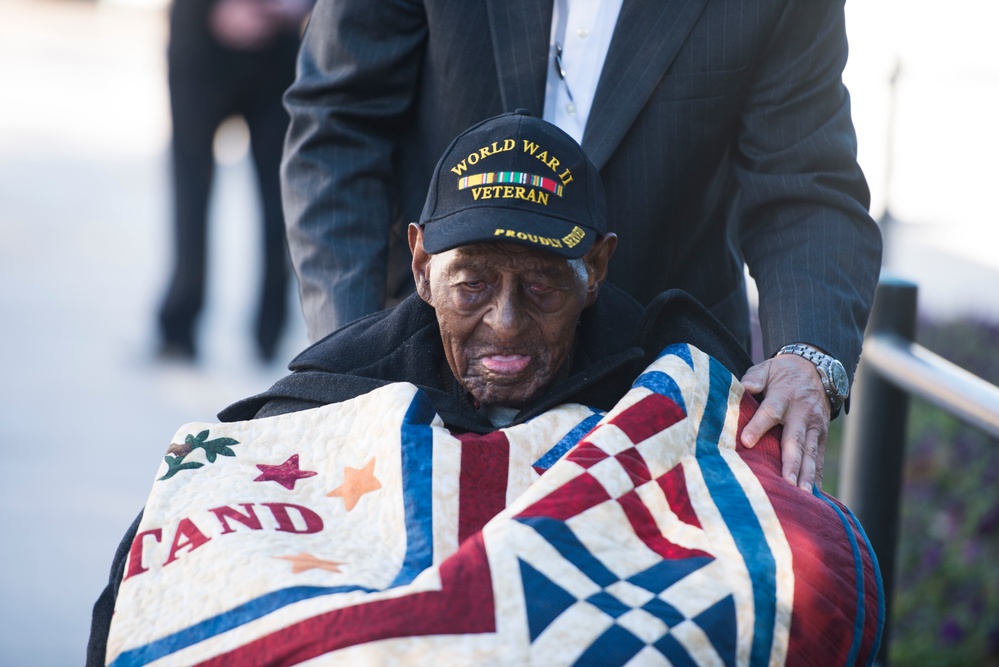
[{"x": 792, "y": 396}]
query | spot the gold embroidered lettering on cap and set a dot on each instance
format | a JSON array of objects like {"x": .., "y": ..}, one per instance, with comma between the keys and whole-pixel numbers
[
  {"x": 573, "y": 238},
  {"x": 481, "y": 154}
]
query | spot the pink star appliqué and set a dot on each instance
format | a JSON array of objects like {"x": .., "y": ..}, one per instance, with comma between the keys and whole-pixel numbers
[{"x": 285, "y": 474}]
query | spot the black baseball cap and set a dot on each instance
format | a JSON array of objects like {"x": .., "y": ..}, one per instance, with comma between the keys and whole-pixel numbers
[{"x": 515, "y": 178}]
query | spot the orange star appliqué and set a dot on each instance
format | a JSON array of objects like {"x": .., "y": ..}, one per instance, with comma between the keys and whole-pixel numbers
[
  {"x": 305, "y": 561},
  {"x": 356, "y": 483}
]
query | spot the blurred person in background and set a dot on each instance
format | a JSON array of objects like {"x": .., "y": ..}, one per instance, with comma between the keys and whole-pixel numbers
[{"x": 225, "y": 58}]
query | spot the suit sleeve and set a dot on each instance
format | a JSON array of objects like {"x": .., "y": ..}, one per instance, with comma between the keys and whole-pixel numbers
[
  {"x": 805, "y": 231},
  {"x": 358, "y": 71}
]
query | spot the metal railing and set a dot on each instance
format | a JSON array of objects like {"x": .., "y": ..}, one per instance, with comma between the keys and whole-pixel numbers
[{"x": 892, "y": 368}]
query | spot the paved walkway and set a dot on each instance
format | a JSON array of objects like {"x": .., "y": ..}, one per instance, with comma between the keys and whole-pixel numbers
[{"x": 85, "y": 416}]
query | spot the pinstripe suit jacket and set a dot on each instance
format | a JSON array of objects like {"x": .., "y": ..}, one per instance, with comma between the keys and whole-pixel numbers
[{"x": 721, "y": 129}]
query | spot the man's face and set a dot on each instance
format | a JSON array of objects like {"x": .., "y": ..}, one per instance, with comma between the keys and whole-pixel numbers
[{"x": 507, "y": 315}]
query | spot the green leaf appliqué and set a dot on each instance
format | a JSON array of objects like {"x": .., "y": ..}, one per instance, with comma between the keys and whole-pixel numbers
[{"x": 213, "y": 449}]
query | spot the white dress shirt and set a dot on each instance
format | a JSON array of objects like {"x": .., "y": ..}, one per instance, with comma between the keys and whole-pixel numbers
[{"x": 583, "y": 29}]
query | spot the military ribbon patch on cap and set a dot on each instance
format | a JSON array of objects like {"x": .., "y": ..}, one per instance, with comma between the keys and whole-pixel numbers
[{"x": 513, "y": 178}]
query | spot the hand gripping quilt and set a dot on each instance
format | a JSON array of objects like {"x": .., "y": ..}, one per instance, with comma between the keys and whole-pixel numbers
[{"x": 365, "y": 533}]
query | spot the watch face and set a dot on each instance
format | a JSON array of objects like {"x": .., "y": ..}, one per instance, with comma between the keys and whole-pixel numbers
[{"x": 840, "y": 382}]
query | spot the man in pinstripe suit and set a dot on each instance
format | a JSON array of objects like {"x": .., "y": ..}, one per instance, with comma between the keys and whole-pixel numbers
[{"x": 721, "y": 130}]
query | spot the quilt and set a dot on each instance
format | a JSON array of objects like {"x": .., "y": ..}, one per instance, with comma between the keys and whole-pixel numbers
[{"x": 366, "y": 533}]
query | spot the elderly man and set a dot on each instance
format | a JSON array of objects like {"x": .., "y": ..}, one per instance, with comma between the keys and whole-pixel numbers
[
  {"x": 516, "y": 465},
  {"x": 512, "y": 314}
]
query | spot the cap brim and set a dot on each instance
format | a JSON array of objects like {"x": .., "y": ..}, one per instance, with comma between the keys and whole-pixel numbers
[{"x": 485, "y": 224}]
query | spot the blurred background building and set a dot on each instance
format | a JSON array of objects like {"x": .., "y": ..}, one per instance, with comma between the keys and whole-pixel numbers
[{"x": 85, "y": 414}]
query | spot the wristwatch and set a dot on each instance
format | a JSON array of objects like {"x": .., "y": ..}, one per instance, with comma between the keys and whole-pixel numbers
[{"x": 831, "y": 373}]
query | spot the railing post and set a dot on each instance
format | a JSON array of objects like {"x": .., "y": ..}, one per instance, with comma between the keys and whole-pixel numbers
[{"x": 874, "y": 441}]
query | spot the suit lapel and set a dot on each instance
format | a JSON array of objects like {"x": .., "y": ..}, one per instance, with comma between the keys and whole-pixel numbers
[
  {"x": 520, "y": 32},
  {"x": 647, "y": 37}
]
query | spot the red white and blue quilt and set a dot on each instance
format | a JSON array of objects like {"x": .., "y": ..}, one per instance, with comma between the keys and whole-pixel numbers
[{"x": 366, "y": 533}]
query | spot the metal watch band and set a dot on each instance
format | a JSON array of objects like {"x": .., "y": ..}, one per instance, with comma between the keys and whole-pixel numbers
[
  {"x": 806, "y": 351},
  {"x": 831, "y": 373}
]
